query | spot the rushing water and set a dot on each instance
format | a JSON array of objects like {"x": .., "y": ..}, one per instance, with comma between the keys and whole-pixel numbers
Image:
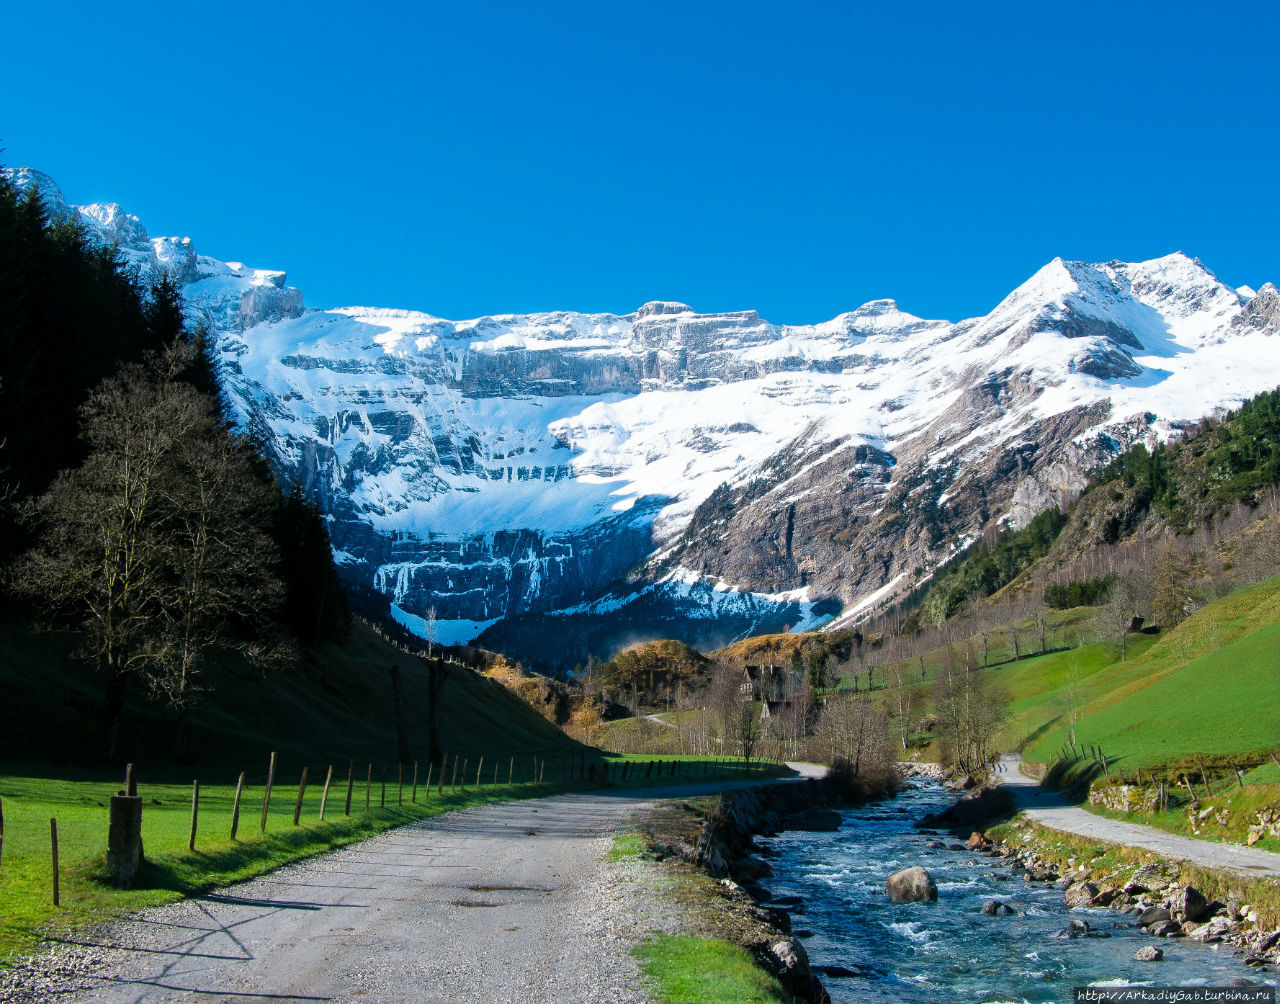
[{"x": 950, "y": 951}]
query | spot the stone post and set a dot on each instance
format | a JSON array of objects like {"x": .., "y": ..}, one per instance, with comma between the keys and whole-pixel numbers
[{"x": 124, "y": 840}]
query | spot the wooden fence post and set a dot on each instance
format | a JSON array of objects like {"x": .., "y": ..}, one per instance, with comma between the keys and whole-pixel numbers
[
  {"x": 1190, "y": 789},
  {"x": 465, "y": 761},
  {"x": 195, "y": 813},
  {"x": 511, "y": 770},
  {"x": 453, "y": 786},
  {"x": 302, "y": 789},
  {"x": 399, "y": 783},
  {"x": 414, "y": 797},
  {"x": 382, "y": 804},
  {"x": 1239, "y": 776},
  {"x": 1, "y": 830},
  {"x": 444, "y": 765},
  {"x": 495, "y": 771},
  {"x": 479, "y": 768},
  {"x": 324, "y": 795},
  {"x": 426, "y": 791},
  {"x": 351, "y": 778},
  {"x": 266, "y": 795},
  {"x": 53, "y": 840},
  {"x": 235, "y": 806},
  {"x": 368, "y": 790}
]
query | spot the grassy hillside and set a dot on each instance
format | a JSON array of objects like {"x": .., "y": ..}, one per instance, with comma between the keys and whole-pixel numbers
[
  {"x": 1209, "y": 686},
  {"x": 334, "y": 704}
]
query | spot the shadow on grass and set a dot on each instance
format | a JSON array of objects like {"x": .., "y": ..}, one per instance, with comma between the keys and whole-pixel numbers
[
  {"x": 190, "y": 873},
  {"x": 1072, "y": 778},
  {"x": 1040, "y": 730}
]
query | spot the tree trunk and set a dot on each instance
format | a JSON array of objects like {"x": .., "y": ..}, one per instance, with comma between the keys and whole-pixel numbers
[
  {"x": 183, "y": 715},
  {"x": 114, "y": 710}
]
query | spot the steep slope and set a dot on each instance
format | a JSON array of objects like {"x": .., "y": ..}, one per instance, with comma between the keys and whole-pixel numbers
[{"x": 573, "y": 482}]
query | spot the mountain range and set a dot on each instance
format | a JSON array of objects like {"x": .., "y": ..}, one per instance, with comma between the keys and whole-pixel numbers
[{"x": 556, "y": 485}]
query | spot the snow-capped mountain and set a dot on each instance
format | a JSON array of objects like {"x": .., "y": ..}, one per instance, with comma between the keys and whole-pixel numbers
[{"x": 564, "y": 481}]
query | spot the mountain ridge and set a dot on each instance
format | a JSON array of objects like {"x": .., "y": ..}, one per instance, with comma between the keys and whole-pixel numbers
[{"x": 684, "y": 474}]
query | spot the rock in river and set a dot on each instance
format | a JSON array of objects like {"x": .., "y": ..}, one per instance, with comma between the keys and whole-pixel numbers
[{"x": 911, "y": 885}]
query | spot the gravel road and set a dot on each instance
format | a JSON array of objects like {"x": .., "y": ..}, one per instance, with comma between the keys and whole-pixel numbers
[
  {"x": 506, "y": 903},
  {"x": 1053, "y": 810}
]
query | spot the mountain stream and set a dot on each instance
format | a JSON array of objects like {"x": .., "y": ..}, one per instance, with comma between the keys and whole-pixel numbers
[{"x": 949, "y": 951}]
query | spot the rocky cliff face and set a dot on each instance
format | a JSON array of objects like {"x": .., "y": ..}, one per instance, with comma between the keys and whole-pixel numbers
[{"x": 566, "y": 482}]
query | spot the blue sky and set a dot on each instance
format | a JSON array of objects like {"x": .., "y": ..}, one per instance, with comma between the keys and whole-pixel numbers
[{"x": 795, "y": 158}]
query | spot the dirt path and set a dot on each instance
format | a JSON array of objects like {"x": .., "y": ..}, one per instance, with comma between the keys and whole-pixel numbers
[
  {"x": 1053, "y": 810},
  {"x": 505, "y": 903}
]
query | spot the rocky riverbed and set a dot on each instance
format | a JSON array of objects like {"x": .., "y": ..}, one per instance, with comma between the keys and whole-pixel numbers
[{"x": 1012, "y": 921}]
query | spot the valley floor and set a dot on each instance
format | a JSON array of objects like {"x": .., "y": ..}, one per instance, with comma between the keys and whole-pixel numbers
[
  {"x": 1051, "y": 809},
  {"x": 506, "y": 903}
]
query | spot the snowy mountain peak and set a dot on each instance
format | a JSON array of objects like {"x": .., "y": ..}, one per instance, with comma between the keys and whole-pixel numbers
[
  {"x": 654, "y": 307},
  {"x": 698, "y": 469}
]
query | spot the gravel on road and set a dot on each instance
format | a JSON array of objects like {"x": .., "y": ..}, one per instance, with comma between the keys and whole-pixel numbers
[{"x": 512, "y": 902}]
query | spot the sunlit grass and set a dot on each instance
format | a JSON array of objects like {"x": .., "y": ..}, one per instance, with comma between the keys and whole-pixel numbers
[{"x": 689, "y": 970}]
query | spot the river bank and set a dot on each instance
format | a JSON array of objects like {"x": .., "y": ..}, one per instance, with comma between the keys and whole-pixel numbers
[
  {"x": 1001, "y": 925},
  {"x": 1169, "y": 898},
  {"x": 717, "y": 838}
]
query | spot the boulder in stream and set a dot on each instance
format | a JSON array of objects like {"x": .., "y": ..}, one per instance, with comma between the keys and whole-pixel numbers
[
  {"x": 911, "y": 885},
  {"x": 1148, "y": 953},
  {"x": 1187, "y": 903},
  {"x": 1080, "y": 894},
  {"x": 1080, "y": 929}
]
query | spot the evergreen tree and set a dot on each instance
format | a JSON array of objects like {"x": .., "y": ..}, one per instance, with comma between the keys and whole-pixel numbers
[{"x": 315, "y": 605}]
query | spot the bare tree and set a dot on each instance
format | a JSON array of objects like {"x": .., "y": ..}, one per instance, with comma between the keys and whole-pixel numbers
[
  {"x": 736, "y": 717},
  {"x": 901, "y": 699},
  {"x": 101, "y": 555},
  {"x": 432, "y": 619},
  {"x": 1171, "y": 587},
  {"x": 970, "y": 714},
  {"x": 854, "y": 729},
  {"x": 156, "y": 544},
  {"x": 1130, "y": 596},
  {"x": 221, "y": 560}
]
